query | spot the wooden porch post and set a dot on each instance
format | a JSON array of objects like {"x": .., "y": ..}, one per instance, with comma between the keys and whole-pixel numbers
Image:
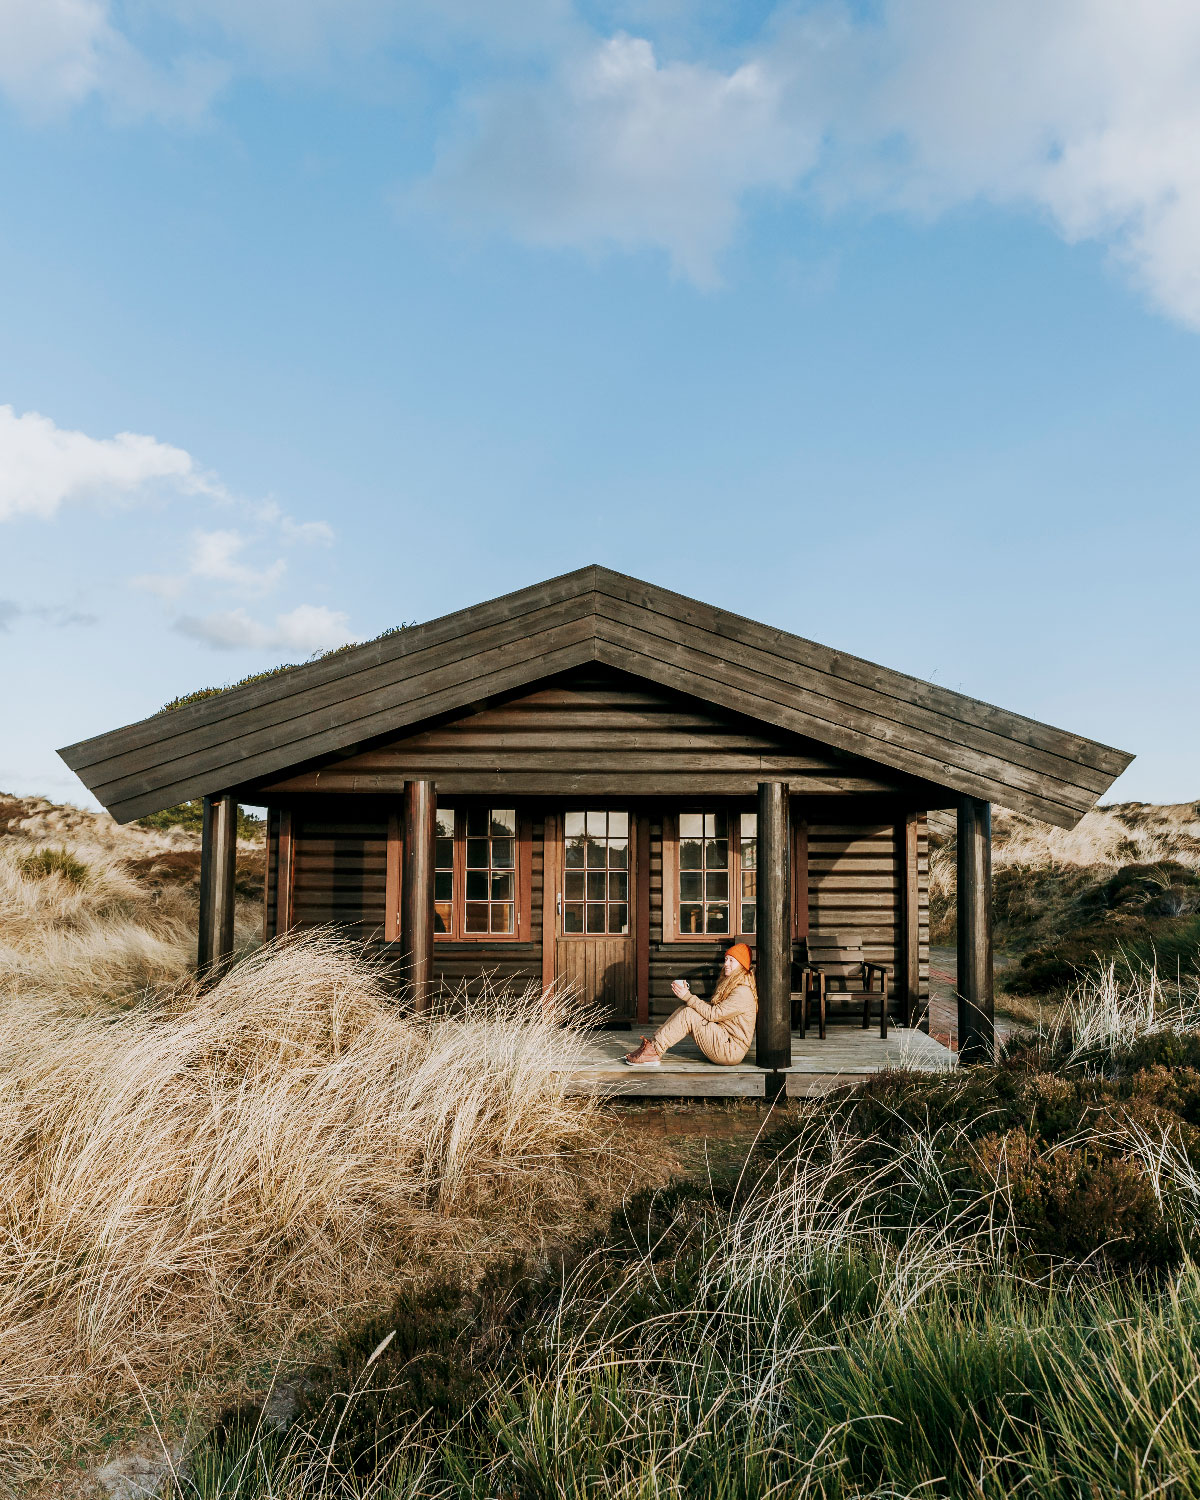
[
  {"x": 416, "y": 889},
  {"x": 218, "y": 859},
  {"x": 976, "y": 1003},
  {"x": 908, "y": 958},
  {"x": 773, "y": 924}
]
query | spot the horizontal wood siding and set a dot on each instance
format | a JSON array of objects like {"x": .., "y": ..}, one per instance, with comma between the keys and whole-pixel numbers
[
  {"x": 923, "y": 874},
  {"x": 855, "y": 886},
  {"x": 596, "y": 733},
  {"x": 470, "y": 968},
  {"x": 340, "y": 871},
  {"x": 271, "y": 880}
]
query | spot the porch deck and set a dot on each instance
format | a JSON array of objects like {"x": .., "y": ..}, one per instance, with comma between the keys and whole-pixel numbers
[{"x": 847, "y": 1055}]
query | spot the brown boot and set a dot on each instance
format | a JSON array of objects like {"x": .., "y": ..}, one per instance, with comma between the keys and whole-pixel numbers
[{"x": 646, "y": 1056}]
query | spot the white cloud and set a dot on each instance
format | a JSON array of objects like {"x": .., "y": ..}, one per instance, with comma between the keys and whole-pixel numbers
[
  {"x": 42, "y": 466},
  {"x": 57, "y": 53},
  {"x": 305, "y": 629},
  {"x": 215, "y": 556},
  {"x": 1088, "y": 110},
  {"x": 270, "y": 514},
  {"x": 56, "y": 615},
  {"x": 619, "y": 149},
  {"x": 1085, "y": 111},
  {"x": 52, "y": 50},
  {"x": 171, "y": 58}
]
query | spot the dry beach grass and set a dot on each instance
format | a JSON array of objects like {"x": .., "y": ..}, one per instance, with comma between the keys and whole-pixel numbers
[
  {"x": 199, "y": 1186},
  {"x": 194, "y": 1180},
  {"x": 189, "y": 1186}
]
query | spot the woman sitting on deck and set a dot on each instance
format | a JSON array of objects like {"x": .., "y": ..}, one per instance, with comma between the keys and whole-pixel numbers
[{"x": 723, "y": 1029}]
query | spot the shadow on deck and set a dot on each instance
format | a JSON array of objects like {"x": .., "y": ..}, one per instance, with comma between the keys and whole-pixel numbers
[{"x": 847, "y": 1055}]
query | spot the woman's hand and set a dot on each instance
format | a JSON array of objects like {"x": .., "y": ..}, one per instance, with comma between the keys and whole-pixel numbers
[{"x": 681, "y": 990}]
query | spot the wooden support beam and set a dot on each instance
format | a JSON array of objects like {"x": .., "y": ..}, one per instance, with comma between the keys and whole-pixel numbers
[
  {"x": 976, "y": 1001},
  {"x": 641, "y": 879},
  {"x": 285, "y": 874},
  {"x": 218, "y": 860},
  {"x": 774, "y": 927},
  {"x": 908, "y": 956},
  {"x": 416, "y": 889}
]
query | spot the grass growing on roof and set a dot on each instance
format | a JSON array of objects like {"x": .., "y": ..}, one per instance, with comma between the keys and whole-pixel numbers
[{"x": 200, "y": 694}]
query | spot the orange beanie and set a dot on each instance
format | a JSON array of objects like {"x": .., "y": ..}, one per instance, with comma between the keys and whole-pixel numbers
[{"x": 742, "y": 953}]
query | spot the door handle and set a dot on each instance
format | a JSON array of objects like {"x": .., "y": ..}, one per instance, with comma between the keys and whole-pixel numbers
[{"x": 558, "y": 907}]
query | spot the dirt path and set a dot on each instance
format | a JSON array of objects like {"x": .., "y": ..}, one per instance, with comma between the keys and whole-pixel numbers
[{"x": 943, "y": 1001}]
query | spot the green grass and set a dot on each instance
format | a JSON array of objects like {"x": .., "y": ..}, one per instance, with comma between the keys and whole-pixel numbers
[
  {"x": 190, "y": 817},
  {"x": 971, "y": 1285},
  {"x": 199, "y": 694},
  {"x": 43, "y": 863},
  {"x": 1070, "y": 920}
]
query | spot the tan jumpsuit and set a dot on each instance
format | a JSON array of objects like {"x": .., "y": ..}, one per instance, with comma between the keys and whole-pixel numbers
[{"x": 723, "y": 1030}]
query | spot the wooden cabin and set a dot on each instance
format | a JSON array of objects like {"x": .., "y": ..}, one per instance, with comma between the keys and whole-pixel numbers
[{"x": 599, "y": 782}]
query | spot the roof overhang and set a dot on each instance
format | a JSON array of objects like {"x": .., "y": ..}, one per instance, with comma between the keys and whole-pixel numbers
[{"x": 595, "y": 615}]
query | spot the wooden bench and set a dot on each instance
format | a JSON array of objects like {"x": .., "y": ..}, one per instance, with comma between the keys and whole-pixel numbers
[{"x": 836, "y": 966}]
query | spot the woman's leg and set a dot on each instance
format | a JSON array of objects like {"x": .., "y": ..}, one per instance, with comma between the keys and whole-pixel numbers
[
  {"x": 713, "y": 1040},
  {"x": 675, "y": 1028}
]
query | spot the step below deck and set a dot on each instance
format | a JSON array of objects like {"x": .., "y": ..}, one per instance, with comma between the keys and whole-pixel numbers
[{"x": 847, "y": 1055}]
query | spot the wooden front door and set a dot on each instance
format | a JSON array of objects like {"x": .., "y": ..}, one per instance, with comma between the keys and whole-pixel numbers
[{"x": 595, "y": 912}]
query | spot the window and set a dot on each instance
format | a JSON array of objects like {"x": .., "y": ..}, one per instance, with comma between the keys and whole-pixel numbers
[
  {"x": 443, "y": 872},
  {"x": 491, "y": 870},
  {"x": 703, "y": 873},
  {"x": 596, "y": 873},
  {"x": 715, "y": 859},
  {"x": 747, "y": 864},
  {"x": 477, "y": 866}
]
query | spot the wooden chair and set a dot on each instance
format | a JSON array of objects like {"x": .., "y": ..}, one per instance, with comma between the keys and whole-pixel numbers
[{"x": 836, "y": 967}]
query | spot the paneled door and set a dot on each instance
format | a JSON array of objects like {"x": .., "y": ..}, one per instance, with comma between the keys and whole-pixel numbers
[{"x": 595, "y": 916}]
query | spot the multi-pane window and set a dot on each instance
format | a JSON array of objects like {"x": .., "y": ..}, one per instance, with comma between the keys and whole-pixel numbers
[
  {"x": 747, "y": 870},
  {"x": 443, "y": 872},
  {"x": 703, "y": 873},
  {"x": 596, "y": 873},
  {"x": 475, "y": 872},
  {"x": 717, "y": 873},
  {"x": 491, "y": 870}
]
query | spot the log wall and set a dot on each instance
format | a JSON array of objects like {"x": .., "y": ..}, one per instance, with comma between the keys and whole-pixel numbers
[
  {"x": 594, "y": 734},
  {"x": 855, "y": 885}
]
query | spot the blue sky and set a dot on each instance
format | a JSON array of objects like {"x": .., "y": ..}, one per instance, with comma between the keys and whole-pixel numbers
[{"x": 880, "y": 323}]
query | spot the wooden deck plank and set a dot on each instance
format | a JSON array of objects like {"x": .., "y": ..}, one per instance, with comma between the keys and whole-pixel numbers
[{"x": 848, "y": 1055}]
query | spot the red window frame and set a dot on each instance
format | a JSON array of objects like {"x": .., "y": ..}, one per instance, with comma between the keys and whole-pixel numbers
[
  {"x": 522, "y": 873},
  {"x": 671, "y": 873}
]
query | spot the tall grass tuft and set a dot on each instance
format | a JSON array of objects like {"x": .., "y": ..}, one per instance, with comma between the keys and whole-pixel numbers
[
  {"x": 43, "y": 863},
  {"x": 187, "y": 1186},
  {"x": 78, "y": 945},
  {"x": 1114, "y": 1006}
]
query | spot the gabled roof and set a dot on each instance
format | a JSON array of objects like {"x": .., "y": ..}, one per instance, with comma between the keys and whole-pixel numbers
[{"x": 595, "y": 615}]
